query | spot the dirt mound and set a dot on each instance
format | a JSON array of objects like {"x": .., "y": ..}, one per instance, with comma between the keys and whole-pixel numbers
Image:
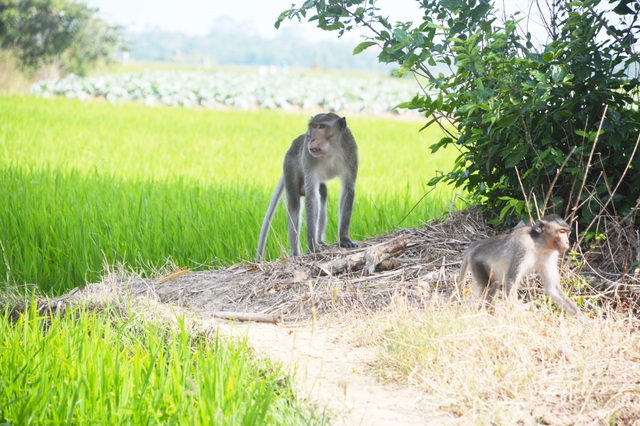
[
  {"x": 419, "y": 264},
  {"x": 295, "y": 289}
]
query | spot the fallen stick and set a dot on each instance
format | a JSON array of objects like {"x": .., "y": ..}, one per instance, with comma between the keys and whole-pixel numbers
[
  {"x": 247, "y": 316},
  {"x": 368, "y": 259},
  {"x": 174, "y": 274}
]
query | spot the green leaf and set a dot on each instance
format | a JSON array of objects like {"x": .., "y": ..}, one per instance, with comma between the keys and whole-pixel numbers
[
  {"x": 622, "y": 8},
  {"x": 363, "y": 46},
  {"x": 558, "y": 73},
  {"x": 547, "y": 56},
  {"x": 514, "y": 157}
]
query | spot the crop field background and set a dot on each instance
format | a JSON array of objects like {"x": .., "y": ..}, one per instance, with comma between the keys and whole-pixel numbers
[
  {"x": 89, "y": 185},
  {"x": 269, "y": 88}
]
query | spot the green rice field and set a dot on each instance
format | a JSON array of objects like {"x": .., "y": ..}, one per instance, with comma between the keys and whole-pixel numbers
[{"x": 90, "y": 185}]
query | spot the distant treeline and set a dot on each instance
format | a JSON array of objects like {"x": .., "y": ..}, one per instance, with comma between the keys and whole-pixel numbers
[{"x": 232, "y": 43}]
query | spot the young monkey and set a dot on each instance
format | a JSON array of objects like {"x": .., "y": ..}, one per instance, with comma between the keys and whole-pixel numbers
[
  {"x": 506, "y": 259},
  {"x": 326, "y": 151}
]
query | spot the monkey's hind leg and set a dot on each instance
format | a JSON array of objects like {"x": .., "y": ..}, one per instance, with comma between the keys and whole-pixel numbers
[
  {"x": 293, "y": 223},
  {"x": 484, "y": 285},
  {"x": 481, "y": 279},
  {"x": 322, "y": 215}
]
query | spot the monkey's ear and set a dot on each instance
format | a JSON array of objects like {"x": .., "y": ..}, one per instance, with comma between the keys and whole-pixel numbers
[
  {"x": 537, "y": 227},
  {"x": 342, "y": 123}
]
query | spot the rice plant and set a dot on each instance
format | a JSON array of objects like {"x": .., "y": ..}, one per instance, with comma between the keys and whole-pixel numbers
[{"x": 92, "y": 367}]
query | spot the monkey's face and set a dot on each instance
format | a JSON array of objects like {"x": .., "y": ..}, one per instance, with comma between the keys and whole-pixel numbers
[
  {"x": 553, "y": 231},
  {"x": 320, "y": 136},
  {"x": 561, "y": 238}
]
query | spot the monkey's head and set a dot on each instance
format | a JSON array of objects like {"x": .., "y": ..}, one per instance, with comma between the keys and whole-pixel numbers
[
  {"x": 324, "y": 132},
  {"x": 553, "y": 232}
]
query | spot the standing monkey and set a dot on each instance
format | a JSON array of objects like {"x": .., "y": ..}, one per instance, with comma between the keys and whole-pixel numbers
[
  {"x": 326, "y": 151},
  {"x": 506, "y": 259}
]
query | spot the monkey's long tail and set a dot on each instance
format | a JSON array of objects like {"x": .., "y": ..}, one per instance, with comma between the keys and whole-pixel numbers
[
  {"x": 462, "y": 275},
  {"x": 268, "y": 217}
]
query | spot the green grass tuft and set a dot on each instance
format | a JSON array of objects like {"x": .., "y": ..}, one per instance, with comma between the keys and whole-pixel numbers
[{"x": 91, "y": 367}]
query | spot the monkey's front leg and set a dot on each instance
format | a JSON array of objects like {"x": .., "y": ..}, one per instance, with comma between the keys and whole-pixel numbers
[
  {"x": 550, "y": 277},
  {"x": 556, "y": 294},
  {"x": 346, "y": 208}
]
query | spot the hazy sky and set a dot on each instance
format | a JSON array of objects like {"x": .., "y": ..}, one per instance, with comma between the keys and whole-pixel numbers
[{"x": 195, "y": 17}]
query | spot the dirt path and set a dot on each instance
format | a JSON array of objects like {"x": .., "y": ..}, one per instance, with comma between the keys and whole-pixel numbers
[{"x": 332, "y": 373}]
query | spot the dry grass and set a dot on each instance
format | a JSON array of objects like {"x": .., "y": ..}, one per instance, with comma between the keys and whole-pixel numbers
[{"x": 514, "y": 367}]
